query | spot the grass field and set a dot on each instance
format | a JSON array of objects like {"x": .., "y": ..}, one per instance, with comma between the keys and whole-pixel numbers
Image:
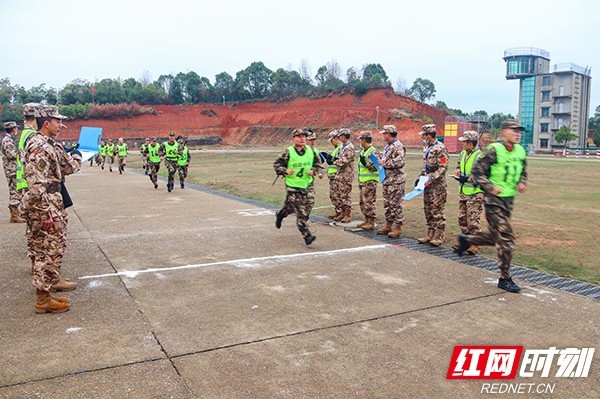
[{"x": 557, "y": 221}]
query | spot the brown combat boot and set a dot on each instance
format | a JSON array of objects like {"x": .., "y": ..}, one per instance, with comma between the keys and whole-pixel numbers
[
  {"x": 339, "y": 216},
  {"x": 386, "y": 229},
  {"x": 15, "y": 218},
  {"x": 473, "y": 249},
  {"x": 347, "y": 217},
  {"x": 60, "y": 298},
  {"x": 427, "y": 238},
  {"x": 361, "y": 224},
  {"x": 369, "y": 224},
  {"x": 46, "y": 304},
  {"x": 438, "y": 239},
  {"x": 397, "y": 232},
  {"x": 63, "y": 285},
  {"x": 334, "y": 215}
]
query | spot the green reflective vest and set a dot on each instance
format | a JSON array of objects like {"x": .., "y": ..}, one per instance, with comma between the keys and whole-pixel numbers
[
  {"x": 506, "y": 172},
  {"x": 153, "y": 153},
  {"x": 466, "y": 164},
  {"x": 25, "y": 135},
  {"x": 110, "y": 150},
  {"x": 364, "y": 174},
  {"x": 102, "y": 150},
  {"x": 333, "y": 169},
  {"x": 183, "y": 157},
  {"x": 171, "y": 150},
  {"x": 122, "y": 150},
  {"x": 301, "y": 164},
  {"x": 143, "y": 148}
]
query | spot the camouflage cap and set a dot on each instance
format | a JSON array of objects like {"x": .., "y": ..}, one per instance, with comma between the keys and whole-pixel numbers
[
  {"x": 311, "y": 135},
  {"x": 469, "y": 135},
  {"x": 389, "y": 129},
  {"x": 299, "y": 132},
  {"x": 49, "y": 111},
  {"x": 172, "y": 133},
  {"x": 333, "y": 134},
  {"x": 428, "y": 129},
  {"x": 30, "y": 110},
  {"x": 10, "y": 125},
  {"x": 147, "y": 138},
  {"x": 345, "y": 132},
  {"x": 365, "y": 134},
  {"x": 512, "y": 124}
]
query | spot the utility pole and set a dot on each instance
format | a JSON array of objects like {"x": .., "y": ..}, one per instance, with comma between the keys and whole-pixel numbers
[{"x": 377, "y": 121}]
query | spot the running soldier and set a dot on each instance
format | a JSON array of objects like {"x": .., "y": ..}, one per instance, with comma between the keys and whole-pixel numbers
[
  {"x": 435, "y": 166},
  {"x": 502, "y": 173},
  {"x": 101, "y": 154},
  {"x": 394, "y": 184},
  {"x": 168, "y": 153},
  {"x": 470, "y": 202},
  {"x": 183, "y": 161},
  {"x": 153, "y": 158},
  {"x": 9, "y": 160},
  {"x": 345, "y": 175},
  {"x": 143, "y": 151},
  {"x": 43, "y": 203},
  {"x": 121, "y": 155},
  {"x": 110, "y": 154},
  {"x": 298, "y": 164},
  {"x": 367, "y": 180}
]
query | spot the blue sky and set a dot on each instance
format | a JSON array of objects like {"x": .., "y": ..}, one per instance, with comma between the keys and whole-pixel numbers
[{"x": 458, "y": 45}]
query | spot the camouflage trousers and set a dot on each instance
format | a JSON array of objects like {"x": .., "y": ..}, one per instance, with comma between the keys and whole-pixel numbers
[
  {"x": 102, "y": 160},
  {"x": 368, "y": 196},
  {"x": 392, "y": 202},
  {"x": 470, "y": 210},
  {"x": 171, "y": 168},
  {"x": 145, "y": 164},
  {"x": 154, "y": 168},
  {"x": 183, "y": 171},
  {"x": 46, "y": 249},
  {"x": 122, "y": 161},
  {"x": 500, "y": 233},
  {"x": 434, "y": 201},
  {"x": 334, "y": 194},
  {"x": 299, "y": 202},
  {"x": 344, "y": 192},
  {"x": 14, "y": 196},
  {"x": 110, "y": 160}
]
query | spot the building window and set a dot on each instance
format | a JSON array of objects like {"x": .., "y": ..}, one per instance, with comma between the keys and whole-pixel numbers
[
  {"x": 543, "y": 127},
  {"x": 561, "y": 107},
  {"x": 546, "y": 81},
  {"x": 545, "y": 112},
  {"x": 561, "y": 90},
  {"x": 546, "y": 95},
  {"x": 560, "y": 123},
  {"x": 544, "y": 143}
]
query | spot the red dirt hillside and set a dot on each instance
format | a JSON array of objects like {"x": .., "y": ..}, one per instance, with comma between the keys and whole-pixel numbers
[{"x": 270, "y": 123}]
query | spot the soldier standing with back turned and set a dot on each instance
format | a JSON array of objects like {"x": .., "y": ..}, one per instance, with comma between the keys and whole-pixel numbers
[{"x": 502, "y": 173}]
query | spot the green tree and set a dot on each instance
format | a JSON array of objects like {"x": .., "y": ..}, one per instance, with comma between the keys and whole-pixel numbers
[
  {"x": 594, "y": 124},
  {"x": 77, "y": 91},
  {"x": 564, "y": 135},
  {"x": 224, "y": 87},
  {"x": 374, "y": 73},
  {"x": 423, "y": 89},
  {"x": 255, "y": 80},
  {"x": 442, "y": 105},
  {"x": 6, "y": 91}
]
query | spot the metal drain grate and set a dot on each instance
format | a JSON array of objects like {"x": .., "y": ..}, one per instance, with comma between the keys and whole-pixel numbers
[{"x": 522, "y": 273}]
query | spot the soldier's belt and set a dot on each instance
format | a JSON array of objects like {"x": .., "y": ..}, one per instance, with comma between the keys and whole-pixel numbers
[{"x": 53, "y": 188}]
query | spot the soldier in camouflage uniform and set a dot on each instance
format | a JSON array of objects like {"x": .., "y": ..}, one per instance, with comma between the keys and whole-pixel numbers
[
  {"x": 110, "y": 154},
  {"x": 332, "y": 169},
  {"x": 183, "y": 161},
  {"x": 145, "y": 163},
  {"x": 43, "y": 203},
  {"x": 311, "y": 138},
  {"x": 470, "y": 202},
  {"x": 168, "y": 153},
  {"x": 298, "y": 164},
  {"x": 345, "y": 175},
  {"x": 121, "y": 150},
  {"x": 151, "y": 153},
  {"x": 435, "y": 166},
  {"x": 502, "y": 173},
  {"x": 9, "y": 160},
  {"x": 367, "y": 180},
  {"x": 393, "y": 160}
]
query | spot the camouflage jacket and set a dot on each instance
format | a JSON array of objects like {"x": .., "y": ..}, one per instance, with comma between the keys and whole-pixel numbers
[
  {"x": 9, "y": 156},
  {"x": 435, "y": 163},
  {"x": 66, "y": 161},
  {"x": 345, "y": 162},
  {"x": 393, "y": 161}
]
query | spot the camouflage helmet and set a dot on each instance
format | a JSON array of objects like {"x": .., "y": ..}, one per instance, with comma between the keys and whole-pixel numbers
[
  {"x": 333, "y": 134},
  {"x": 469, "y": 135},
  {"x": 10, "y": 125},
  {"x": 428, "y": 129},
  {"x": 31, "y": 110},
  {"x": 365, "y": 134},
  {"x": 389, "y": 129}
]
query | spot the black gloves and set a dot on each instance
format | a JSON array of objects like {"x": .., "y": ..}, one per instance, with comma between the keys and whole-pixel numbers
[{"x": 363, "y": 160}]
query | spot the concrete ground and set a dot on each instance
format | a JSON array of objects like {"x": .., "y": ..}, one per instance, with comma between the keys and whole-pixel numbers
[{"x": 192, "y": 295}]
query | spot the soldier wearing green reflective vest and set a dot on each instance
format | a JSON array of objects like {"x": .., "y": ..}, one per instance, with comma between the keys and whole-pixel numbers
[
  {"x": 168, "y": 152},
  {"x": 30, "y": 111},
  {"x": 183, "y": 161},
  {"x": 334, "y": 139},
  {"x": 368, "y": 177},
  {"x": 501, "y": 173},
  {"x": 151, "y": 153},
  {"x": 298, "y": 164},
  {"x": 470, "y": 202},
  {"x": 121, "y": 149},
  {"x": 110, "y": 154},
  {"x": 101, "y": 153}
]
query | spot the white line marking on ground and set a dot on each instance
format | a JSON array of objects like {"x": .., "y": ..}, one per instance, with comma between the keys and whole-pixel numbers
[{"x": 241, "y": 263}]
